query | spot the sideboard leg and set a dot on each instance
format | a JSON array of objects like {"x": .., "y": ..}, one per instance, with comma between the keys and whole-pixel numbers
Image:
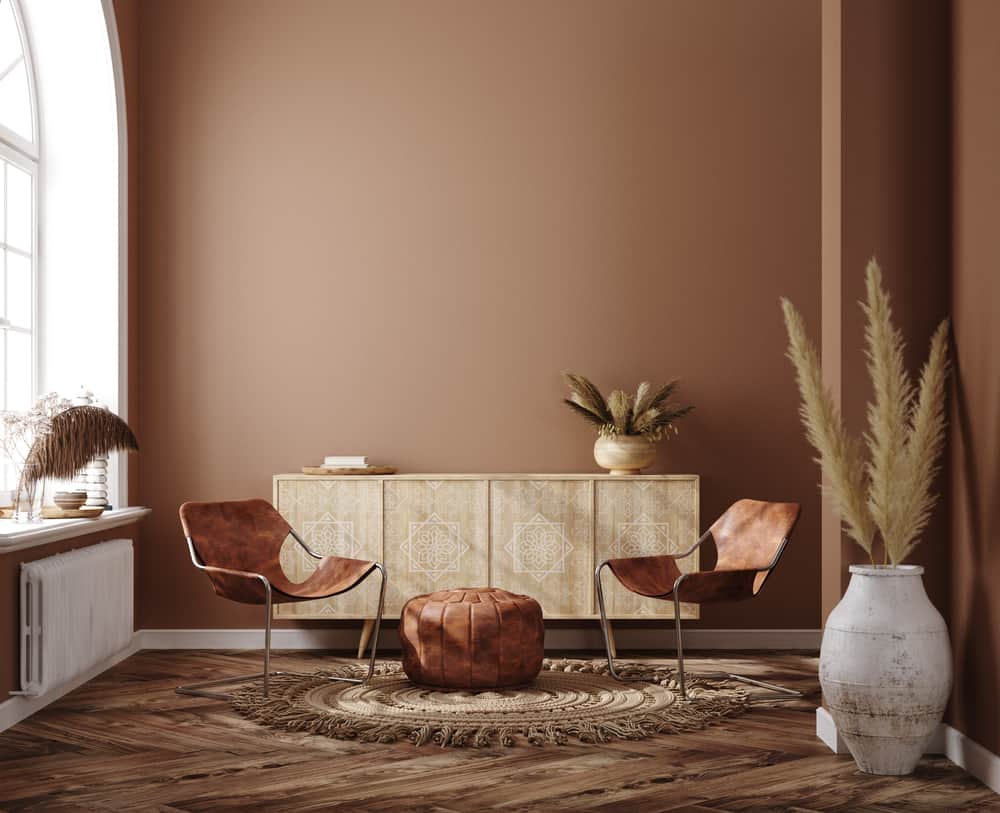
[
  {"x": 366, "y": 634},
  {"x": 611, "y": 640}
]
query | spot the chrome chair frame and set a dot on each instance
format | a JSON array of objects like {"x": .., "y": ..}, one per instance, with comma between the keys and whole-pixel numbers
[
  {"x": 199, "y": 689},
  {"x": 776, "y": 693}
]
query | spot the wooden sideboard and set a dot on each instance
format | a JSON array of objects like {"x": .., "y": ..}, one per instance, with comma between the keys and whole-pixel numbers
[{"x": 538, "y": 534}]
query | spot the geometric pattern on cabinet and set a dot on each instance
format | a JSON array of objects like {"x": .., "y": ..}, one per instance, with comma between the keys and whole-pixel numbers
[
  {"x": 335, "y": 519},
  {"x": 541, "y": 542},
  {"x": 541, "y": 535},
  {"x": 645, "y": 519},
  {"x": 435, "y": 537},
  {"x": 435, "y": 547}
]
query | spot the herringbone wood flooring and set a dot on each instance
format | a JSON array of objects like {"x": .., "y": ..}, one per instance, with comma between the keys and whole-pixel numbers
[{"x": 126, "y": 742}]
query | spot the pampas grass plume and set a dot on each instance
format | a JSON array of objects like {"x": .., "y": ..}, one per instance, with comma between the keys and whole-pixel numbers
[{"x": 890, "y": 492}]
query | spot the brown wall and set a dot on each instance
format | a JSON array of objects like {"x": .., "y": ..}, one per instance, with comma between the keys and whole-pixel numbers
[
  {"x": 896, "y": 194},
  {"x": 975, "y": 526},
  {"x": 385, "y": 227},
  {"x": 127, "y": 18}
]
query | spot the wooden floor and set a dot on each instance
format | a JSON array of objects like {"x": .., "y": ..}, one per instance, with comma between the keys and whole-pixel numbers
[{"x": 126, "y": 742}]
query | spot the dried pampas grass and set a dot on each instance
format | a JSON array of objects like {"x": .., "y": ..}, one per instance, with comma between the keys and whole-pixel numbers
[
  {"x": 621, "y": 411},
  {"x": 74, "y": 437},
  {"x": 648, "y": 413},
  {"x": 923, "y": 451},
  {"x": 887, "y": 434},
  {"x": 890, "y": 492},
  {"x": 839, "y": 453}
]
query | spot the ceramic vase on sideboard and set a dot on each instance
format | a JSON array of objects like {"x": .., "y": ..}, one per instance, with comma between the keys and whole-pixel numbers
[
  {"x": 624, "y": 454},
  {"x": 885, "y": 668}
]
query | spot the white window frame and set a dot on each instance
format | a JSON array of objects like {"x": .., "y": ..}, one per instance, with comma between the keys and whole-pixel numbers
[
  {"x": 25, "y": 155},
  {"x": 118, "y": 477},
  {"x": 16, "y": 158},
  {"x": 19, "y": 143}
]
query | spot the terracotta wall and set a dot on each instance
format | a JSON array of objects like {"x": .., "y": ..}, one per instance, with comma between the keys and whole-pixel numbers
[
  {"x": 385, "y": 227},
  {"x": 127, "y": 18},
  {"x": 975, "y": 526},
  {"x": 896, "y": 179}
]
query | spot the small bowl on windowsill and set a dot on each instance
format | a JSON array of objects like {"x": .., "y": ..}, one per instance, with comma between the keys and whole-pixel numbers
[{"x": 70, "y": 500}]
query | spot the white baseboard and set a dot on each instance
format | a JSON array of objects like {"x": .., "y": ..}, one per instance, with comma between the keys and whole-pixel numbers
[
  {"x": 826, "y": 730},
  {"x": 555, "y": 638},
  {"x": 956, "y": 746},
  {"x": 974, "y": 758},
  {"x": 20, "y": 707}
]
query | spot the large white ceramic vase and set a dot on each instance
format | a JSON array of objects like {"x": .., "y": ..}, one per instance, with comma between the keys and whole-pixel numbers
[{"x": 885, "y": 668}]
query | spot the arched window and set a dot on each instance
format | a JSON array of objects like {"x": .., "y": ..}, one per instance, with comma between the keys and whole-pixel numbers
[
  {"x": 18, "y": 182},
  {"x": 63, "y": 207}
]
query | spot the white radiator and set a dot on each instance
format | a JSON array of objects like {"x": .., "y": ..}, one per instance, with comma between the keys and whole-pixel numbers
[{"x": 76, "y": 611}]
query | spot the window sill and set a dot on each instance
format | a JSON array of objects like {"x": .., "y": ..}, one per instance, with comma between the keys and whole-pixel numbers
[{"x": 15, "y": 536}]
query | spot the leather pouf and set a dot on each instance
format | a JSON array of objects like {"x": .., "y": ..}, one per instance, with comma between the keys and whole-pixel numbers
[{"x": 473, "y": 638}]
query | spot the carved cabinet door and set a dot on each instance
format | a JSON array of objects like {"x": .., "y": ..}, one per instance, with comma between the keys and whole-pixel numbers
[
  {"x": 645, "y": 518},
  {"x": 435, "y": 537},
  {"x": 334, "y": 518},
  {"x": 542, "y": 542}
]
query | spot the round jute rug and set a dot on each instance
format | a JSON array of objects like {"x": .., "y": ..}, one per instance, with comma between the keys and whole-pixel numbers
[{"x": 569, "y": 699}]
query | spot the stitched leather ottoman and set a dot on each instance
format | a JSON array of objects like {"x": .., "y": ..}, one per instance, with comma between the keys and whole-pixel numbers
[{"x": 472, "y": 638}]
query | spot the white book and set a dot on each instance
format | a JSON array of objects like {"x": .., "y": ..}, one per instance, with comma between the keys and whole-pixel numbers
[{"x": 358, "y": 461}]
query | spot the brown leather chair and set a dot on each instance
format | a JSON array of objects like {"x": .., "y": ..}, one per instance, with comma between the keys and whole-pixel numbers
[
  {"x": 238, "y": 544},
  {"x": 749, "y": 538}
]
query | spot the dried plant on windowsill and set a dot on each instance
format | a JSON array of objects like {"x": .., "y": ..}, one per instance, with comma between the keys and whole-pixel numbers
[
  {"x": 18, "y": 433},
  {"x": 649, "y": 412},
  {"x": 889, "y": 494},
  {"x": 73, "y": 438},
  {"x": 55, "y": 439},
  {"x": 19, "y": 430}
]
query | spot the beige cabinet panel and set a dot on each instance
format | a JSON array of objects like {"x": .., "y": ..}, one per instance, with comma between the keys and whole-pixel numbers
[
  {"x": 645, "y": 518},
  {"x": 541, "y": 538},
  {"x": 536, "y": 534},
  {"x": 435, "y": 537},
  {"x": 334, "y": 519}
]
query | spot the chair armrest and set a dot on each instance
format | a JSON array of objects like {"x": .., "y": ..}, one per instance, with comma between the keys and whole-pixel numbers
[
  {"x": 303, "y": 545},
  {"x": 246, "y": 574},
  {"x": 692, "y": 549}
]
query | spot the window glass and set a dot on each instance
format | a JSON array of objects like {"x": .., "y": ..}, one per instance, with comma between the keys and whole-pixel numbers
[
  {"x": 19, "y": 363},
  {"x": 15, "y": 93},
  {"x": 19, "y": 299},
  {"x": 19, "y": 215},
  {"x": 18, "y": 229}
]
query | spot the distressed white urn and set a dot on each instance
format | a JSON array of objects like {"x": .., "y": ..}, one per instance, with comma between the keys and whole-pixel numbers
[{"x": 885, "y": 668}]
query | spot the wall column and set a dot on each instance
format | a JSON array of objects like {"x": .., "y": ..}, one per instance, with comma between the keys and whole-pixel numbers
[{"x": 831, "y": 565}]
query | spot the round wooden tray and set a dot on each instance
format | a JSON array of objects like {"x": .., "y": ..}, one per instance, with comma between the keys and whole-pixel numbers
[
  {"x": 55, "y": 512},
  {"x": 341, "y": 472}
]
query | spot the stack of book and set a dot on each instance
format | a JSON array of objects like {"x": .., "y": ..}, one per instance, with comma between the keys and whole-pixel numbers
[{"x": 345, "y": 462}]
